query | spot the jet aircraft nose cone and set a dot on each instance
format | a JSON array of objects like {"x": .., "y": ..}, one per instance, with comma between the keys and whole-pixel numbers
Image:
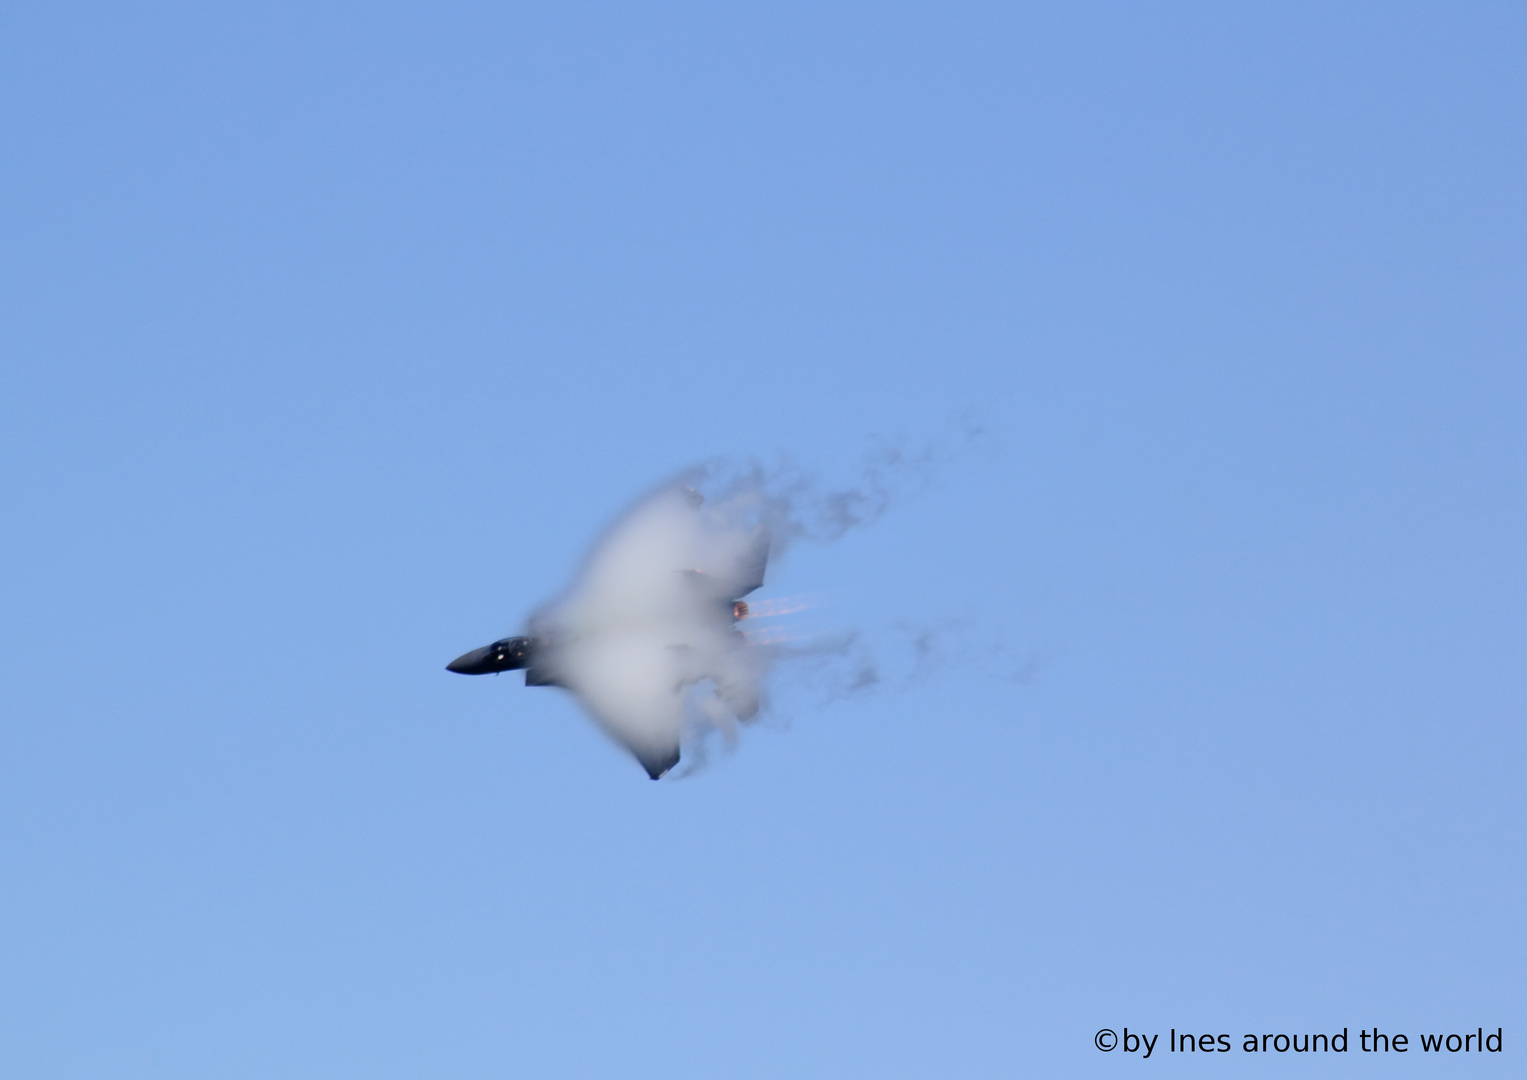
[
  {"x": 506, "y": 654},
  {"x": 470, "y": 663}
]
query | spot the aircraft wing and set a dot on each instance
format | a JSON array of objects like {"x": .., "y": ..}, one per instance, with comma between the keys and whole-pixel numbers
[
  {"x": 750, "y": 569},
  {"x": 745, "y": 573}
]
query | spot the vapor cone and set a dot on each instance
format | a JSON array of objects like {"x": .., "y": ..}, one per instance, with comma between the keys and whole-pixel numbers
[{"x": 645, "y": 637}]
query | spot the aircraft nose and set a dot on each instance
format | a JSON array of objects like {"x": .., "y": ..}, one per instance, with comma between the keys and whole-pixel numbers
[{"x": 466, "y": 662}]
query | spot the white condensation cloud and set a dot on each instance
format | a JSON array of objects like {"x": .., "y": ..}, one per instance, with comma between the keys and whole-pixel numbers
[{"x": 645, "y": 637}]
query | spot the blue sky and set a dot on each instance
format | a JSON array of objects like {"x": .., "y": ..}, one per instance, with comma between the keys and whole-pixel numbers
[{"x": 330, "y": 335}]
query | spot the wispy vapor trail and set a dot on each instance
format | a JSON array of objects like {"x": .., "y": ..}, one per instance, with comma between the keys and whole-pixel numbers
[
  {"x": 855, "y": 663},
  {"x": 796, "y": 505}
]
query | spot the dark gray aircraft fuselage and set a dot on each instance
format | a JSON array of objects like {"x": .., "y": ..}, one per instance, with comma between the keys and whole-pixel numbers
[{"x": 506, "y": 654}]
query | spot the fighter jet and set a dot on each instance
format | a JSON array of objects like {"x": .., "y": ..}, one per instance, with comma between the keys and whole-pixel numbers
[{"x": 639, "y": 628}]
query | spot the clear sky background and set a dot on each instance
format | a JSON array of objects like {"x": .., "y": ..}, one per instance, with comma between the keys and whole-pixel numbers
[{"x": 331, "y": 334}]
